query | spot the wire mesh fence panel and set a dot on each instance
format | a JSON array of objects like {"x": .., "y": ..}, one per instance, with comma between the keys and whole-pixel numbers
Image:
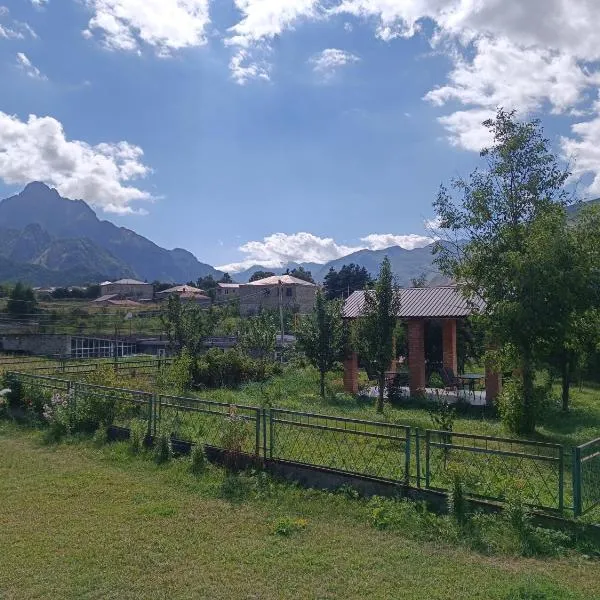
[
  {"x": 586, "y": 469},
  {"x": 234, "y": 428},
  {"x": 41, "y": 382},
  {"x": 115, "y": 406},
  {"x": 496, "y": 468},
  {"x": 380, "y": 450}
]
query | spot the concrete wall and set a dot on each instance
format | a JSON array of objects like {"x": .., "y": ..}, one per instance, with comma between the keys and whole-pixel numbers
[
  {"x": 253, "y": 298},
  {"x": 39, "y": 344},
  {"x": 133, "y": 291}
]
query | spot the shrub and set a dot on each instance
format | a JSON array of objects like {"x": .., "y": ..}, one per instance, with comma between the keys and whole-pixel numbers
[
  {"x": 510, "y": 405},
  {"x": 198, "y": 460},
  {"x": 531, "y": 540},
  {"x": 137, "y": 435},
  {"x": 230, "y": 368},
  {"x": 286, "y": 526},
  {"x": 458, "y": 506},
  {"x": 236, "y": 432},
  {"x": 163, "y": 452},
  {"x": 510, "y": 402}
]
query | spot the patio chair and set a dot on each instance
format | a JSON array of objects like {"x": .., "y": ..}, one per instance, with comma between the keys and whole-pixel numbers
[{"x": 451, "y": 381}]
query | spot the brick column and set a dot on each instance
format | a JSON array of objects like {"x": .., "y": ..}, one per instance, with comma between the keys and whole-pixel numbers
[
  {"x": 493, "y": 384},
  {"x": 351, "y": 373},
  {"x": 416, "y": 356},
  {"x": 449, "y": 345}
]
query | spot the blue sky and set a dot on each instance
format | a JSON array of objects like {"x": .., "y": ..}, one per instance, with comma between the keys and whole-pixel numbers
[{"x": 271, "y": 130}]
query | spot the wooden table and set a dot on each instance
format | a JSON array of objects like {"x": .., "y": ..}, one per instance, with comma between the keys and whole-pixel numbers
[{"x": 470, "y": 379}]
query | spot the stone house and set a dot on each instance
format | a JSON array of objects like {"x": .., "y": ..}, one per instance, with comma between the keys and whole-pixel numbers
[
  {"x": 129, "y": 289},
  {"x": 293, "y": 294}
]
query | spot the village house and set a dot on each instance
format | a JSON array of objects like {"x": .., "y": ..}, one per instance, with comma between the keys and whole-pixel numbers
[
  {"x": 127, "y": 289},
  {"x": 290, "y": 292}
]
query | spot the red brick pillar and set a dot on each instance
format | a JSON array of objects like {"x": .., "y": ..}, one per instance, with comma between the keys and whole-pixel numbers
[
  {"x": 416, "y": 356},
  {"x": 449, "y": 345},
  {"x": 493, "y": 384},
  {"x": 351, "y": 373}
]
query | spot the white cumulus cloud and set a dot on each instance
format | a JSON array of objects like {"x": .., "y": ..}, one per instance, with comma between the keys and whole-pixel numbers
[
  {"x": 279, "y": 249},
  {"x": 327, "y": 62},
  {"x": 584, "y": 149},
  {"x": 166, "y": 25},
  {"x": 26, "y": 65},
  {"x": 37, "y": 149},
  {"x": 381, "y": 241}
]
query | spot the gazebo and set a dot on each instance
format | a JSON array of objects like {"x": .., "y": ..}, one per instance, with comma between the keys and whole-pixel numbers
[{"x": 443, "y": 304}]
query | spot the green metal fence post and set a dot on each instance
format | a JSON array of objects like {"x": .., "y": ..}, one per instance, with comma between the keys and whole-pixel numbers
[
  {"x": 418, "y": 456},
  {"x": 257, "y": 446},
  {"x": 271, "y": 434},
  {"x": 561, "y": 479},
  {"x": 577, "y": 481},
  {"x": 150, "y": 412},
  {"x": 427, "y": 440}
]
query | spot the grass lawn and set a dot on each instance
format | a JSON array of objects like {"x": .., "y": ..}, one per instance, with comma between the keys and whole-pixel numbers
[
  {"x": 297, "y": 389},
  {"x": 85, "y": 522}
]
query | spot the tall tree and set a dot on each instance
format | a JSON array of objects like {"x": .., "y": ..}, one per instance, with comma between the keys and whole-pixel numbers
[
  {"x": 575, "y": 325},
  {"x": 258, "y": 275},
  {"x": 350, "y": 278},
  {"x": 21, "y": 301},
  {"x": 505, "y": 212},
  {"x": 226, "y": 278},
  {"x": 187, "y": 325},
  {"x": 321, "y": 336},
  {"x": 259, "y": 335},
  {"x": 301, "y": 273},
  {"x": 377, "y": 326}
]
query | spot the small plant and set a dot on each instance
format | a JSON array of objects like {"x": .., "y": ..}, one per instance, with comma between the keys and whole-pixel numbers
[
  {"x": 198, "y": 460},
  {"x": 137, "y": 435},
  {"x": 163, "y": 452},
  {"x": 286, "y": 526},
  {"x": 100, "y": 436},
  {"x": 235, "y": 487},
  {"x": 458, "y": 506},
  {"x": 234, "y": 437}
]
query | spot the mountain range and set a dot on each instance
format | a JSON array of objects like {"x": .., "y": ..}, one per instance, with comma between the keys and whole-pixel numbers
[
  {"x": 49, "y": 240},
  {"x": 46, "y": 240}
]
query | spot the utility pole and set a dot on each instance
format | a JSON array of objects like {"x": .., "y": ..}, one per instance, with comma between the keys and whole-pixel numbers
[{"x": 281, "y": 314}]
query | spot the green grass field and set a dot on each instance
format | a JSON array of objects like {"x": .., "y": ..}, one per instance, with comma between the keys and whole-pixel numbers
[{"x": 85, "y": 522}]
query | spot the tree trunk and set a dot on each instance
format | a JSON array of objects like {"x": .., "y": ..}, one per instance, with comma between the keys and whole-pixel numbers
[
  {"x": 381, "y": 390},
  {"x": 566, "y": 383},
  {"x": 529, "y": 407},
  {"x": 322, "y": 373}
]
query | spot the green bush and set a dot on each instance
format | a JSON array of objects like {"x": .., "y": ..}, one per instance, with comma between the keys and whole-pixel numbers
[
  {"x": 163, "y": 452},
  {"x": 137, "y": 435},
  {"x": 510, "y": 402},
  {"x": 230, "y": 368},
  {"x": 198, "y": 460}
]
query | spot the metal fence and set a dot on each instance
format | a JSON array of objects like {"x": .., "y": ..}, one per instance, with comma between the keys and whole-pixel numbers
[
  {"x": 379, "y": 450},
  {"x": 235, "y": 427},
  {"x": 128, "y": 367},
  {"x": 494, "y": 468},
  {"x": 490, "y": 467},
  {"x": 586, "y": 477}
]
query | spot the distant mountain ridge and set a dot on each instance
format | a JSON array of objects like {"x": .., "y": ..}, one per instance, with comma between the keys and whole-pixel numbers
[
  {"x": 406, "y": 265},
  {"x": 39, "y": 227}
]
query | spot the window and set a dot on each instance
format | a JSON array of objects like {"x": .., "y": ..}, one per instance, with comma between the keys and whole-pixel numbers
[
  {"x": 288, "y": 292},
  {"x": 226, "y": 292}
]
